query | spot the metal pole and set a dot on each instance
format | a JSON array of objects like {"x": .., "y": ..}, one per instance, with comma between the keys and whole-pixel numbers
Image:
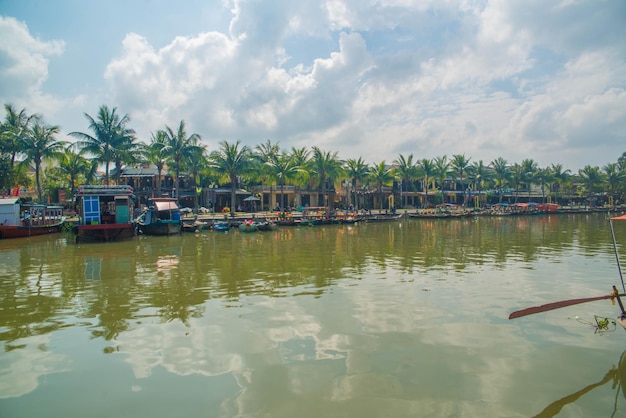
[{"x": 619, "y": 267}]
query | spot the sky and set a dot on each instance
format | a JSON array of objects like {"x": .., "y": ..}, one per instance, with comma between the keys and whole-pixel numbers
[{"x": 376, "y": 79}]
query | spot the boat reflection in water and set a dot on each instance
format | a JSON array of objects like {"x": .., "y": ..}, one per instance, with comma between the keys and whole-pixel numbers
[{"x": 617, "y": 375}]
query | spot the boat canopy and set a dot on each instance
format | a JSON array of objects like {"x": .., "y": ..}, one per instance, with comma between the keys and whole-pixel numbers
[{"x": 165, "y": 205}]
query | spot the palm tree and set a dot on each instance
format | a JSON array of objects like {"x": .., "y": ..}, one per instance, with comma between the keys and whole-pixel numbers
[
  {"x": 381, "y": 175},
  {"x": 427, "y": 171},
  {"x": 109, "y": 131},
  {"x": 153, "y": 153},
  {"x": 125, "y": 152},
  {"x": 14, "y": 132},
  {"x": 442, "y": 171},
  {"x": 543, "y": 176},
  {"x": 614, "y": 178},
  {"x": 39, "y": 145},
  {"x": 516, "y": 177},
  {"x": 73, "y": 166},
  {"x": 179, "y": 147},
  {"x": 266, "y": 154},
  {"x": 559, "y": 177},
  {"x": 195, "y": 163},
  {"x": 233, "y": 161},
  {"x": 356, "y": 171},
  {"x": 300, "y": 157},
  {"x": 529, "y": 172},
  {"x": 283, "y": 169},
  {"x": 406, "y": 170},
  {"x": 479, "y": 174},
  {"x": 459, "y": 165},
  {"x": 501, "y": 172},
  {"x": 592, "y": 179},
  {"x": 325, "y": 166}
]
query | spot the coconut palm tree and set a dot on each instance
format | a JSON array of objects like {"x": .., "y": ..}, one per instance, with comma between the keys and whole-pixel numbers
[
  {"x": 74, "y": 166},
  {"x": 126, "y": 151},
  {"x": 40, "y": 144},
  {"x": 300, "y": 157},
  {"x": 233, "y": 161},
  {"x": 266, "y": 154},
  {"x": 356, "y": 171},
  {"x": 14, "y": 131},
  {"x": 426, "y": 169},
  {"x": 406, "y": 170},
  {"x": 282, "y": 168},
  {"x": 179, "y": 147},
  {"x": 614, "y": 178},
  {"x": 381, "y": 175},
  {"x": 559, "y": 178},
  {"x": 480, "y": 175},
  {"x": 442, "y": 171},
  {"x": 195, "y": 163},
  {"x": 325, "y": 166},
  {"x": 501, "y": 173},
  {"x": 516, "y": 177},
  {"x": 592, "y": 180},
  {"x": 153, "y": 153},
  {"x": 543, "y": 176},
  {"x": 109, "y": 131},
  {"x": 459, "y": 164},
  {"x": 529, "y": 169}
]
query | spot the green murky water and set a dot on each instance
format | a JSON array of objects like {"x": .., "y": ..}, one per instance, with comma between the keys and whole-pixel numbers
[{"x": 400, "y": 319}]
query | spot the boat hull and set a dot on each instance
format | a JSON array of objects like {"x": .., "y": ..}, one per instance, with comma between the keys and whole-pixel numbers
[
  {"x": 161, "y": 228},
  {"x": 104, "y": 232},
  {"x": 8, "y": 231}
]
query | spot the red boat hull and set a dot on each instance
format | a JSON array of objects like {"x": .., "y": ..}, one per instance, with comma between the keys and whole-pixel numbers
[
  {"x": 104, "y": 232},
  {"x": 12, "y": 231}
]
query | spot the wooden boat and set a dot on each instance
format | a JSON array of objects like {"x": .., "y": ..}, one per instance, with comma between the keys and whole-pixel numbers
[
  {"x": 248, "y": 226},
  {"x": 195, "y": 226},
  {"x": 104, "y": 213},
  {"x": 265, "y": 226},
  {"x": 19, "y": 220},
  {"x": 221, "y": 226},
  {"x": 161, "y": 217},
  {"x": 381, "y": 218},
  {"x": 615, "y": 295}
]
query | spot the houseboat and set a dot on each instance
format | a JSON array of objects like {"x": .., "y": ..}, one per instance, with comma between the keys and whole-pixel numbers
[
  {"x": 104, "y": 213},
  {"x": 161, "y": 217},
  {"x": 19, "y": 220}
]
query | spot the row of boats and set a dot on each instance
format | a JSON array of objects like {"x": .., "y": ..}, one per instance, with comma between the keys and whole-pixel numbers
[{"x": 106, "y": 213}]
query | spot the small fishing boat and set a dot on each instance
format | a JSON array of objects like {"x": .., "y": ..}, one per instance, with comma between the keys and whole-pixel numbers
[
  {"x": 19, "y": 220},
  {"x": 195, "y": 226},
  {"x": 265, "y": 225},
  {"x": 248, "y": 226},
  {"x": 161, "y": 217},
  {"x": 614, "y": 296},
  {"x": 104, "y": 213},
  {"x": 221, "y": 226}
]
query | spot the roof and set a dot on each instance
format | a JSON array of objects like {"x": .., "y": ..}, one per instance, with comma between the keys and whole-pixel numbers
[
  {"x": 9, "y": 201},
  {"x": 168, "y": 204}
]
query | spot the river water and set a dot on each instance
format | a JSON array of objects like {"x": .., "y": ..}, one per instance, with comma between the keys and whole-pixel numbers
[{"x": 394, "y": 319}]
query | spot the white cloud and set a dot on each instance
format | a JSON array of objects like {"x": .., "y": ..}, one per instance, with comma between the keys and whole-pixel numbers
[
  {"x": 372, "y": 79},
  {"x": 24, "y": 63}
]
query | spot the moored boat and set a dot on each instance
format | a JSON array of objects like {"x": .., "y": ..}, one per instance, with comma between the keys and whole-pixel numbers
[
  {"x": 161, "y": 217},
  {"x": 221, "y": 226},
  {"x": 248, "y": 226},
  {"x": 19, "y": 220},
  {"x": 104, "y": 213}
]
